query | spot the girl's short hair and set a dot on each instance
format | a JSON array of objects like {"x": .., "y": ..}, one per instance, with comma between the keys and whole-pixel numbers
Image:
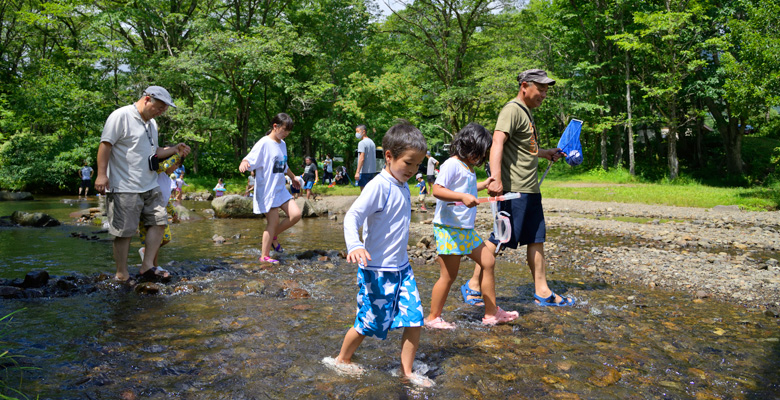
[
  {"x": 403, "y": 136},
  {"x": 472, "y": 143}
]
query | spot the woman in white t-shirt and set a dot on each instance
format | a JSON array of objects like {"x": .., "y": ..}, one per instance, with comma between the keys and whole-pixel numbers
[
  {"x": 268, "y": 159},
  {"x": 453, "y": 226}
]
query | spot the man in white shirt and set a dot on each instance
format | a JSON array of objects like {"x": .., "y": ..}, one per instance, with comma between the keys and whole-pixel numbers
[{"x": 126, "y": 172}]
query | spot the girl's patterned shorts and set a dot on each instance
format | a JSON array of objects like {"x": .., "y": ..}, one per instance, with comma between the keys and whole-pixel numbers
[{"x": 455, "y": 241}]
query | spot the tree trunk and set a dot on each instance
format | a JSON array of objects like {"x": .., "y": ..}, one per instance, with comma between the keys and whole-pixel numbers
[
  {"x": 195, "y": 146},
  {"x": 731, "y": 135},
  {"x": 604, "y": 160},
  {"x": 674, "y": 166},
  {"x": 618, "y": 146},
  {"x": 699, "y": 139},
  {"x": 629, "y": 123},
  {"x": 242, "y": 123}
]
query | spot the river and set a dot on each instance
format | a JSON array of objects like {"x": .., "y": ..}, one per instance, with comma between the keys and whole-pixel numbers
[{"x": 229, "y": 328}]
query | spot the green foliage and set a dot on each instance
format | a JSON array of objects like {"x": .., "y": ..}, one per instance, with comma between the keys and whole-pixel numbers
[{"x": 335, "y": 64}]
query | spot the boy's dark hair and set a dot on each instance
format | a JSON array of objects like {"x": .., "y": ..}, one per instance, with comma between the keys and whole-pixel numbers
[
  {"x": 472, "y": 143},
  {"x": 282, "y": 120},
  {"x": 402, "y": 137}
]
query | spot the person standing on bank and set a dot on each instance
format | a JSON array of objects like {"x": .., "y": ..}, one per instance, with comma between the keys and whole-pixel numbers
[
  {"x": 430, "y": 172},
  {"x": 127, "y": 171},
  {"x": 366, "y": 166},
  {"x": 514, "y": 158},
  {"x": 327, "y": 165},
  {"x": 85, "y": 173}
]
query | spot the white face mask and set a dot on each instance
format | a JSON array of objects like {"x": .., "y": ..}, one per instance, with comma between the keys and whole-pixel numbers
[{"x": 358, "y": 135}]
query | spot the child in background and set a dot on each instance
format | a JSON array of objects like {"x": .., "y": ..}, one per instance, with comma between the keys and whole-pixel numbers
[
  {"x": 310, "y": 175},
  {"x": 250, "y": 184},
  {"x": 166, "y": 167},
  {"x": 179, "y": 185},
  {"x": 268, "y": 159},
  {"x": 453, "y": 226},
  {"x": 423, "y": 191},
  {"x": 219, "y": 190},
  {"x": 295, "y": 191},
  {"x": 388, "y": 297}
]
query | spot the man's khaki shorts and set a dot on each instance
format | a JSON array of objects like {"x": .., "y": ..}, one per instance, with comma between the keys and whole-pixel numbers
[{"x": 126, "y": 210}]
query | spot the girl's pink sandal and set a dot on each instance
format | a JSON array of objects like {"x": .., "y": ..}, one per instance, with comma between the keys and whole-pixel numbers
[
  {"x": 438, "y": 323},
  {"x": 268, "y": 260},
  {"x": 501, "y": 317}
]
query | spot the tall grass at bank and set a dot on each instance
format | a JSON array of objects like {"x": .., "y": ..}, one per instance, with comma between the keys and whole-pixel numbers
[{"x": 11, "y": 375}]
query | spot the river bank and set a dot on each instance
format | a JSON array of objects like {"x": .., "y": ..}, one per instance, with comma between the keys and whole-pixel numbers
[{"x": 720, "y": 252}]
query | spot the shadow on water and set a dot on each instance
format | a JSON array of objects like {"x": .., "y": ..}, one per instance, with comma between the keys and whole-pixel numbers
[{"x": 240, "y": 330}]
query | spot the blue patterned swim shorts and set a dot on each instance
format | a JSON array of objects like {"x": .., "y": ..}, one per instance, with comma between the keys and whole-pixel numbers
[
  {"x": 455, "y": 241},
  {"x": 387, "y": 300}
]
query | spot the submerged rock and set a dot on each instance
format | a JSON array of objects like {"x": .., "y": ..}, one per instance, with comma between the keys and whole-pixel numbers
[
  {"x": 15, "y": 196},
  {"x": 38, "y": 220},
  {"x": 11, "y": 292}
]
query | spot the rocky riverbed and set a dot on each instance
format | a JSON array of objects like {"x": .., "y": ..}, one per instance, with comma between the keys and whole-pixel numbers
[{"x": 720, "y": 252}]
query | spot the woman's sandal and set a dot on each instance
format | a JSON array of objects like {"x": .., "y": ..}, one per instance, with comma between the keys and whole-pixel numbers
[
  {"x": 278, "y": 248},
  {"x": 550, "y": 301},
  {"x": 466, "y": 291},
  {"x": 268, "y": 260}
]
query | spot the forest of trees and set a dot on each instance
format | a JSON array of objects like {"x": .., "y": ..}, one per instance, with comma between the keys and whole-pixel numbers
[{"x": 665, "y": 87}]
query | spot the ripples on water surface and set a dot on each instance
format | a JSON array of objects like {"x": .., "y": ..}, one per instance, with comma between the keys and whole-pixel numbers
[{"x": 241, "y": 338}]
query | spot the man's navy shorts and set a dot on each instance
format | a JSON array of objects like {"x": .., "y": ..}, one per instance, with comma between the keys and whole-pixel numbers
[
  {"x": 366, "y": 177},
  {"x": 527, "y": 219}
]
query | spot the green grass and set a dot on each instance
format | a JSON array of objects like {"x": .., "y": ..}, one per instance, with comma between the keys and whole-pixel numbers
[
  {"x": 594, "y": 185},
  {"x": 621, "y": 187}
]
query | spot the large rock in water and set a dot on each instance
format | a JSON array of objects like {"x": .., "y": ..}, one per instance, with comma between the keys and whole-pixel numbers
[
  {"x": 15, "y": 196},
  {"x": 38, "y": 220},
  {"x": 233, "y": 206}
]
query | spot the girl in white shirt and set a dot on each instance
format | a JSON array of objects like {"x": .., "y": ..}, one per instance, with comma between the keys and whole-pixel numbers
[
  {"x": 453, "y": 226},
  {"x": 268, "y": 159}
]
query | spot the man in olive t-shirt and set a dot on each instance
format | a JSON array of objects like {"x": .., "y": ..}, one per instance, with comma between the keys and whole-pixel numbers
[{"x": 514, "y": 158}]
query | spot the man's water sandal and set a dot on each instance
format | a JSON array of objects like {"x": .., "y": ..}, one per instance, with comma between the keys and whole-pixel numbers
[
  {"x": 466, "y": 292},
  {"x": 550, "y": 301}
]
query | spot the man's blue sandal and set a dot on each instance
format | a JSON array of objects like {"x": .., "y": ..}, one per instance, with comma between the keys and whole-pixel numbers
[
  {"x": 466, "y": 291},
  {"x": 550, "y": 301}
]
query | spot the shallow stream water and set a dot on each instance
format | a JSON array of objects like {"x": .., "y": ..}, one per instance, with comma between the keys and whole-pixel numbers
[{"x": 239, "y": 332}]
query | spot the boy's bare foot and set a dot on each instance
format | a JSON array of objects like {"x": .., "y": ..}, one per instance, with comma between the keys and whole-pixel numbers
[
  {"x": 342, "y": 368},
  {"x": 420, "y": 380}
]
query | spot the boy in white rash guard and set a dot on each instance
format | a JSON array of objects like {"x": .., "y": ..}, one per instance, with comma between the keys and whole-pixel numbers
[{"x": 388, "y": 297}]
